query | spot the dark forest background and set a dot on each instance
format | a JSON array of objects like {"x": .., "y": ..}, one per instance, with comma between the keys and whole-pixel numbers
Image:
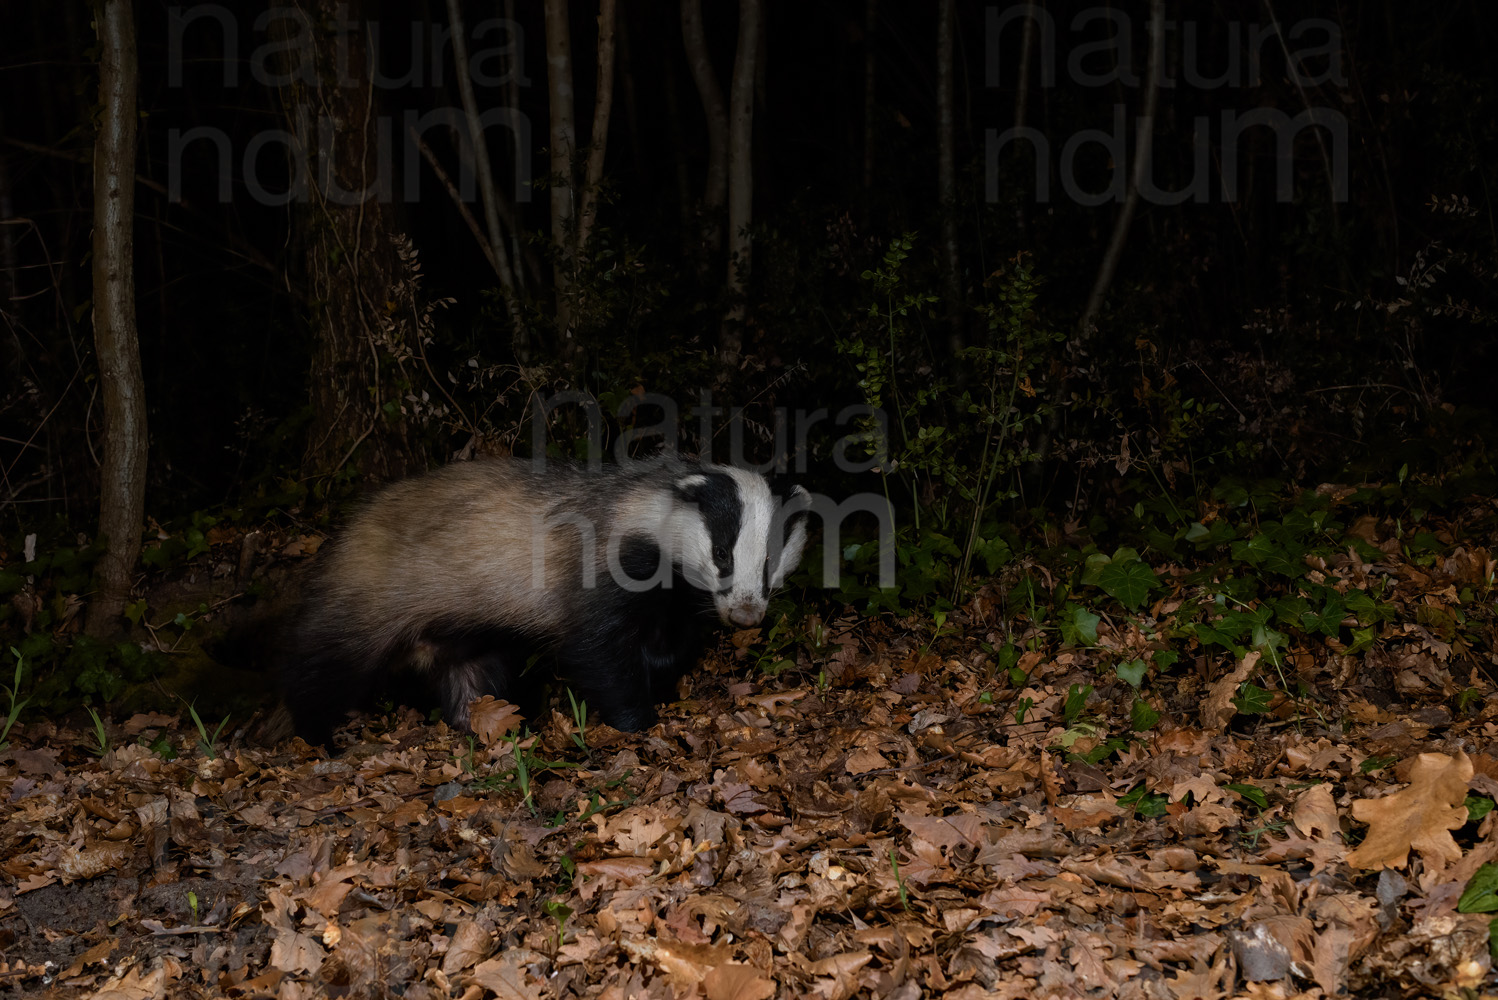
[{"x": 1317, "y": 305}]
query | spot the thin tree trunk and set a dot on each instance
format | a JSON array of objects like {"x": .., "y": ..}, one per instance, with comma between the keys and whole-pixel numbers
[
  {"x": 870, "y": 26},
  {"x": 686, "y": 204},
  {"x": 9, "y": 261},
  {"x": 715, "y": 189},
  {"x": 496, "y": 250},
  {"x": 946, "y": 172},
  {"x": 563, "y": 147},
  {"x": 598, "y": 139},
  {"x": 1143, "y": 139},
  {"x": 1022, "y": 95},
  {"x": 348, "y": 257},
  {"x": 519, "y": 252},
  {"x": 123, "y": 473},
  {"x": 632, "y": 106},
  {"x": 741, "y": 175}
]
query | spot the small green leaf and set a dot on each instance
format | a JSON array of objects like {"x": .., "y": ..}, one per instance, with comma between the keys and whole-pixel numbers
[
  {"x": 1252, "y": 699},
  {"x": 1076, "y": 701},
  {"x": 1131, "y": 673},
  {"x": 1144, "y": 802},
  {"x": 1080, "y": 626},
  {"x": 1478, "y": 806},
  {"x": 1253, "y": 794},
  {"x": 1481, "y": 894},
  {"x": 1142, "y": 716}
]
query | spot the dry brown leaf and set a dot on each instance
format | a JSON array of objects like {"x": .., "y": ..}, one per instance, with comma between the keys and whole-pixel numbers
[
  {"x": 733, "y": 981},
  {"x": 1217, "y": 710},
  {"x": 492, "y": 719},
  {"x": 134, "y": 985},
  {"x": 1316, "y": 810},
  {"x": 93, "y": 860},
  {"x": 1204, "y": 819},
  {"x": 1419, "y": 816},
  {"x": 505, "y": 976},
  {"x": 865, "y": 759},
  {"x": 469, "y": 945}
]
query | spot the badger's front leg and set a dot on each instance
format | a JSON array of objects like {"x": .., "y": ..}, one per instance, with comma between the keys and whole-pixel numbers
[{"x": 611, "y": 677}]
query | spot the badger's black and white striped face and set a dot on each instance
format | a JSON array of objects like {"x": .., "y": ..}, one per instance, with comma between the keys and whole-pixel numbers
[{"x": 738, "y": 539}]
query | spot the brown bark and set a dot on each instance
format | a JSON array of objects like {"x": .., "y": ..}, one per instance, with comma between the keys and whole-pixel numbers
[
  {"x": 346, "y": 233},
  {"x": 1144, "y": 136},
  {"x": 946, "y": 183},
  {"x": 715, "y": 188},
  {"x": 496, "y": 251},
  {"x": 123, "y": 472},
  {"x": 598, "y": 140},
  {"x": 1022, "y": 93},
  {"x": 563, "y": 147},
  {"x": 741, "y": 174},
  {"x": 870, "y": 26}
]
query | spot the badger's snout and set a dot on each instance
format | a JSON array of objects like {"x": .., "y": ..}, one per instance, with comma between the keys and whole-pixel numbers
[{"x": 746, "y": 617}]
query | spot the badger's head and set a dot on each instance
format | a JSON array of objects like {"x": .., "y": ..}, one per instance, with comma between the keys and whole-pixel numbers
[{"x": 737, "y": 538}]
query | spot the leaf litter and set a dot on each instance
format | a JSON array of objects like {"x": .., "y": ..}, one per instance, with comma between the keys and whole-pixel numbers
[{"x": 895, "y": 815}]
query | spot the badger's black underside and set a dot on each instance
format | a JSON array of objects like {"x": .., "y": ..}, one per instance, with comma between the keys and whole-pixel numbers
[{"x": 624, "y": 655}]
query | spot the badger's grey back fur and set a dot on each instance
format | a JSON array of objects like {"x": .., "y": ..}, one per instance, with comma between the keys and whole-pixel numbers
[{"x": 470, "y": 570}]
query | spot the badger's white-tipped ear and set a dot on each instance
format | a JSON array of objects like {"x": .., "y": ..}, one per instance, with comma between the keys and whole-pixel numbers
[
  {"x": 687, "y": 486},
  {"x": 792, "y": 516}
]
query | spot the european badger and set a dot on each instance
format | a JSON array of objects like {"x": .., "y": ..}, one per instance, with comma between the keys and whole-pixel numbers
[{"x": 470, "y": 571}]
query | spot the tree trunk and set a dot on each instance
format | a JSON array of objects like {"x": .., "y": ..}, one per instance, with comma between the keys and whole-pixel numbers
[
  {"x": 123, "y": 473},
  {"x": 715, "y": 189},
  {"x": 350, "y": 261},
  {"x": 1022, "y": 96},
  {"x": 497, "y": 251},
  {"x": 740, "y": 175},
  {"x": 563, "y": 147},
  {"x": 946, "y": 172},
  {"x": 870, "y": 26},
  {"x": 642, "y": 171},
  {"x": 1144, "y": 136},
  {"x": 598, "y": 139}
]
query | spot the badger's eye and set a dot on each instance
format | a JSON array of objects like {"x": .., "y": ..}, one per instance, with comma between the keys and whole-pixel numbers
[{"x": 720, "y": 553}]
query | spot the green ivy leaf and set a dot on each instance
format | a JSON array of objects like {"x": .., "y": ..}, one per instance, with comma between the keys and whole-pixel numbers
[
  {"x": 1076, "y": 700},
  {"x": 1132, "y": 672},
  {"x": 1144, "y": 802},
  {"x": 1252, "y": 699},
  {"x": 1128, "y": 582},
  {"x": 1079, "y": 626},
  {"x": 1142, "y": 716}
]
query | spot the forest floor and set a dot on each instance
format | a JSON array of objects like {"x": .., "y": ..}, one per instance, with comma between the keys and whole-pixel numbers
[{"x": 893, "y": 814}]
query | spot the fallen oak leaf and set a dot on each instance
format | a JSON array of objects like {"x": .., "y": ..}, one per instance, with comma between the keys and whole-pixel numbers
[
  {"x": 1218, "y": 710},
  {"x": 1419, "y": 816},
  {"x": 1315, "y": 810},
  {"x": 491, "y": 719},
  {"x": 733, "y": 981},
  {"x": 507, "y": 975},
  {"x": 78, "y": 864},
  {"x": 134, "y": 984}
]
